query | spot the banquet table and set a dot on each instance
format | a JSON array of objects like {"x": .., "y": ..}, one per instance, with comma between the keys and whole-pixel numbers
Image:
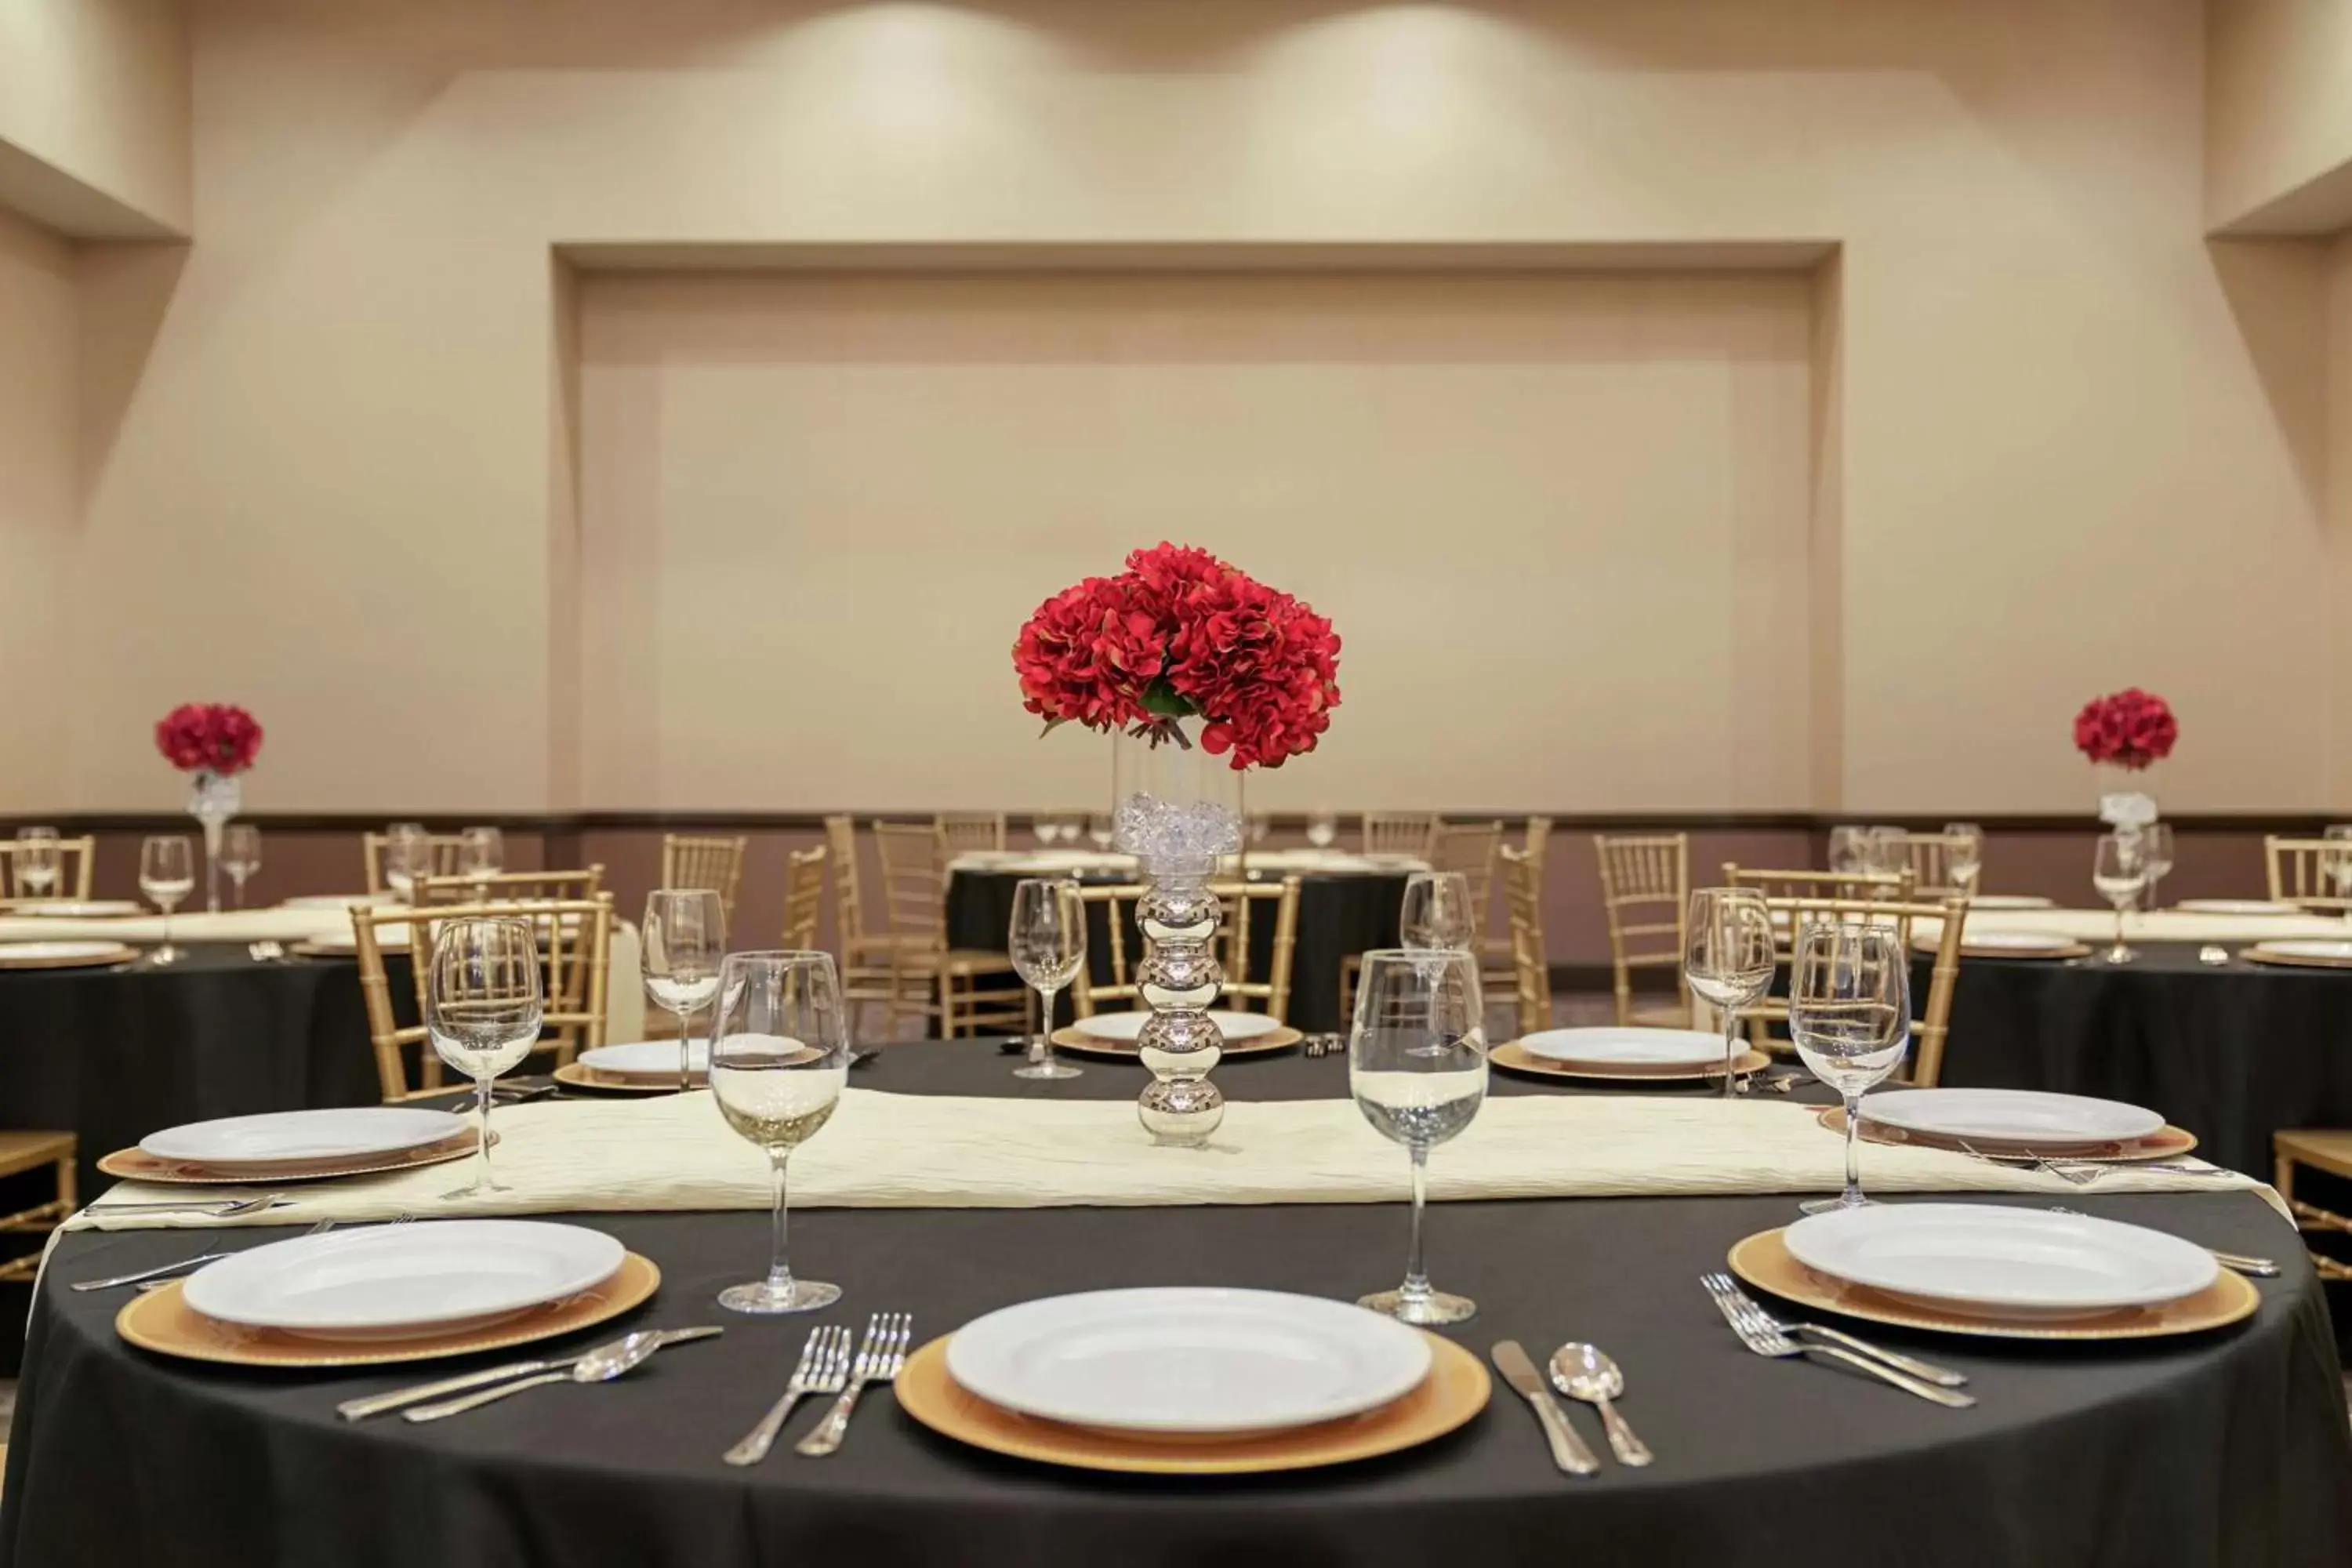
[
  {"x": 1347, "y": 904},
  {"x": 2230, "y": 1447},
  {"x": 2232, "y": 1052}
]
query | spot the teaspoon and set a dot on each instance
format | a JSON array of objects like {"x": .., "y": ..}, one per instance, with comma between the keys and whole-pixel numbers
[
  {"x": 1582, "y": 1372},
  {"x": 602, "y": 1364}
]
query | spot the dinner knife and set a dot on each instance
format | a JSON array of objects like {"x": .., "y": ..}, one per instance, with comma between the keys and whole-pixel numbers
[
  {"x": 1568, "y": 1451},
  {"x": 382, "y": 1403}
]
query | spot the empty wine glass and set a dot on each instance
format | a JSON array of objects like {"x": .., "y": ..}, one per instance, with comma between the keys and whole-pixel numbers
[
  {"x": 2156, "y": 857},
  {"x": 683, "y": 939},
  {"x": 2336, "y": 863},
  {"x": 1728, "y": 958},
  {"x": 1850, "y": 1019},
  {"x": 1048, "y": 944},
  {"x": 2119, "y": 873},
  {"x": 1849, "y": 848},
  {"x": 1099, "y": 829},
  {"x": 1886, "y": 852},
  {"x": 1322, "y": 828},
  {"x": 240, "y": 855},
  {"x": 1046, "y": 829},
  {"x": 779, "y": 1060},
  {"x": 167, "y": 873},
  {"x": 37, "y": 862},
  {"x": 1436, "y": 914},
  {"x": 407, "y": 855},
  {"x": 1964, "y": 855},
  {"x": 1417, "y": 1068},
  {"x": 483, "y": 1007},
  {"x": 481, "y": 851}
]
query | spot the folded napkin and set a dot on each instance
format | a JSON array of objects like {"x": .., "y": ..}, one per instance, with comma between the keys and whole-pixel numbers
[{"x": 894, "y": 1151}]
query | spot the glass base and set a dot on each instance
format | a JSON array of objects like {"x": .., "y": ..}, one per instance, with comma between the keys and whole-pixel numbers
[
  {"x": 762, "y": 1299},
  {"x": 1049, "y": 1067},
  {"x": 480, "y": 1187},
  {"x": 160, "y": 957},
  {"x": 1437, "y": 1307},
  {"x": 1832, "y": 1205},
  {"x": 2119, "y": 954}
]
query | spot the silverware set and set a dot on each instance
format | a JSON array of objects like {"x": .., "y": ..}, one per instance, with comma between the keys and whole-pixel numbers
[
  {"x": 1765, "y": 1335},
  {"x": 208, "y": 1208},
  {"x": 827, "y": 1367},
  {"x": 266, "y": 952},
  {"x": 629, "y": 1351},
  {"x": 1326, "y": 1045},
  {"x": 1585, "y": 1373}
]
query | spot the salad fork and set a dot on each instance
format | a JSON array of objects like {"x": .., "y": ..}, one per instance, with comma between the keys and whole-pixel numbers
[
  {"x": 881, "y": 1356},
  {"x": 1760, "y": 1336},
  {"x": 823, "y": 1369},
  {"x": 1723, "y": 1287}
]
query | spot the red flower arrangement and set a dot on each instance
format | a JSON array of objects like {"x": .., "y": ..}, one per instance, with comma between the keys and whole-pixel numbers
[
  {"x": 1180, "y": 633},
  {"x": 213, "y": 737},
  {"x": 2130, "y": 729}
]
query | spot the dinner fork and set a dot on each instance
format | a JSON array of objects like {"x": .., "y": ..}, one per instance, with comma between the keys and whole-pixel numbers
[
  {"x": 881, "y": 1356},
  {"x": 1722, "y": 1286},
  {"x": 1759, "y": 1334},
  {"x": 823, "y": 1369}
]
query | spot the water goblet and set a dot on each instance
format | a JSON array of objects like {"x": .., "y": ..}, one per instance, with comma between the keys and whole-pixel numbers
[
  {"x": 2118, "y": 871},
  {"x": 1728, "y": 957},
  {"x": 240, "y": 855},
  {"x": 167, "y": 873},
  {"x": 483, "y": 1007},
  {"x": 1048, "y": 940},
  {"x": 1964, "y": 855},
  {"x": 1850, "y": 1019},
  {"x": 1435, "y": 915},
  {"x": 683, "y": 939},
  {"x": 37, "y": 862}
]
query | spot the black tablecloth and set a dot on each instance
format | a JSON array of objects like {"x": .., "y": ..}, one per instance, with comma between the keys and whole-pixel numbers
[
  {"x": 2227, "y": 1448},
  {"x": 1339, "y": 914},
  {"x": 2233, "y": 1054},
  {"x": 113, "y": 1055}
]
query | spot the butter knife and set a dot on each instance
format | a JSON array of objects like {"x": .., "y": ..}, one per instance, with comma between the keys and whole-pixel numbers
[
  {"x": 1568, "y": 1451},
  {"x": 382, "y": 1403}
]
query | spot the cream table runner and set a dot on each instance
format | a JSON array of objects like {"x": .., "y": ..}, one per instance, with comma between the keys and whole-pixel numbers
[
  {"x": 895, "y": 1151},
  {"x": 2164, "y": 925}
]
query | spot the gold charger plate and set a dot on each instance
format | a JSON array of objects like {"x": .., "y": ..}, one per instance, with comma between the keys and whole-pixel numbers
[
  {"x": 1076, "y": 1039},
  {"x": 136, "y": 1164},
  {"x": 575, "y": 1076},
  {"x": 1512, "y": 1056},
  {"x": 2254, "y": 954},
  {"x": 118, "y": 952},
  {"x": 1764, "y": 1261},
  {"x": 2026, "y": 955},
  {"x": 1456, "y": 1390},
  {"x": 2167, "y": 1143},
  {"x": 162, "y": 1321}
]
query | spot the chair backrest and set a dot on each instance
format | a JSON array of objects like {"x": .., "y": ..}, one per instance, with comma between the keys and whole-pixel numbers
[
  {"x": 77, "y": 859},
  {"x": 1806, "y": 888},
  {"x": 1644, "y": 895},
  {"x": 849, "y": 911},
  {"x": 689, "y": 861},
  {"x": 1530, "y": 965},
  {"x": 1929, "y": 1028},
  {"x": 1539, "y": 841},
  {"x": 803, "y": 896},
  {"x": 1399, "y": 832},
  {"x": 1929, "y": 857},
  {"x": 1238, "y": 898},
  {"x": 2303, "y": 870},
  {"x": 448, "y": 850},
  {"x": 962, "y": 830},
  {"x": 575, "y": 942},
  {"x": 914, "y": 878},
  {"x": 504, "y": 887},
  {"x": 1468, "y": 847}
]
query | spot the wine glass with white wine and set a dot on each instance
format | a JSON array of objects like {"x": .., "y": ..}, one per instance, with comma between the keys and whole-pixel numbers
[
  {"x": 779, "y": 1060},
  {"x": 1435, "y": 915},
  {"x": 682, "y": 940},
  {"x": 240, "y": 855},
  {"x": 483, "y": 1007},
  {"x": 167, "y": 873}
]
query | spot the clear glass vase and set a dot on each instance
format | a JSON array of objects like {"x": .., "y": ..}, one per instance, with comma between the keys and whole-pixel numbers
[
  {"x": 213, "y": 799},
  {"x": 1179, "y": 809}
]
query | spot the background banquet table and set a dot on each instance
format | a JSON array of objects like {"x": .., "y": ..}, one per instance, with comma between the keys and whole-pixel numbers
[
  {"x": 1347, "y": 905},
  {"x": 2224, "y": 1449}
]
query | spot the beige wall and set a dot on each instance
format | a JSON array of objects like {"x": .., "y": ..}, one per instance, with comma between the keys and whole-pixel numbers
[
  {"x": 39, "y": 503},
  {"x": 2279, "y": 115},
  {"x": 94, "y": 115},
  {"x": 2062, "y": 460}
]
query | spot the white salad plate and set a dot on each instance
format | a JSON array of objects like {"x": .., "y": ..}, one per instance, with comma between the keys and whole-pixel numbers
[
  {"x": 2010, "y": 1116},
  {"x": 2235, "y": 907},
  {"x": 337, "y": 1134},
  {"x": 1614, "y": 1047},
  {"x": 1990, "y": 1260},
  {"x": 647, "y": 1059}
]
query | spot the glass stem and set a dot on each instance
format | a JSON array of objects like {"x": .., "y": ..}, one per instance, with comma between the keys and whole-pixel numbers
[
  {"x": 685, "y": 1056},
  {"x": 780, "y": 1268},
  {"x": 1730, "y": 1051},
  {"x": 2119, "y": 930},
  {"x": 1416, "y": 1278},
  {"x": 482, "y": 1134},
  {"x": 1040, "y": 1041},
  {"x": 1854, "y": 1148}
]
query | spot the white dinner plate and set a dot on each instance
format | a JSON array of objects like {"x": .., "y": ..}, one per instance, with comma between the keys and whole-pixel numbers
[
  {"x": 647, "y": 1059},
  {"x": 1611, "y": 1045},
  {"x": 396, "y": 1280},
  {"x": 2327, "y": 949},
  {"x": 1126, "y": 1027},
  {"x": 2017, "y": 1262},
  {"x": 2024, "y": 942},
  {"x": 78, "y": 909},
  {"x": 304, "y": 1135},
  {"x": 62, "y": 954},
  {"x": 1188, "y": 1361},
  {"x": 2010, "y": 901},
  {"x": 2010, "y": 1116},
  {"x": 340, "y": 900}
]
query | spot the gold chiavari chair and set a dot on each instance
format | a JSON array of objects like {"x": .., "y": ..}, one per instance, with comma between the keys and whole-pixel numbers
[
  {"x": 1399, "y": 832},
  {"x": 1498, "y": 961},
  {"x": 2302, "y": 870},
  {"x": 1928, "y": 858},
  {"x": 1272, "y": 993},
  {"x": 1928, "y": 1029},
  {"x": 1464, "y": 847},
  {"x": 928, "y": 977},
  {"x": 966, "y": 830},
  {"x": 503, "y": 887},
  {"x": 1645, "y": 895},
  {"x": 448, "y": 850},
  {"x": 575, "y": 938},
  {"x": 1790, "y": 894},
  {"x": 2326, "y": 1150},
  {"x": 868, "y": 956},
  {"x": 77, "y": 862},
  {"x": 1530, "y": 971},
  {"x": 21, "y": 1151},
  {"x": 690, "y": 861},
  {"x": 803, "y": 896}
]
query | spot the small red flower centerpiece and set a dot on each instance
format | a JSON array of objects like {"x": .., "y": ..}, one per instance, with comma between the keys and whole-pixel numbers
[
  {"x": 211, "y": 743},
  {"x": 2130, "y": 729}
]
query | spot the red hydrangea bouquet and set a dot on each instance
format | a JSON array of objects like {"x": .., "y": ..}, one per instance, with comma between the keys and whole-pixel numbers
[
  {"x": 2130, "y": 729},
  {"x": 208, "y": 737},
  {"x": 1181, "y": 634}
]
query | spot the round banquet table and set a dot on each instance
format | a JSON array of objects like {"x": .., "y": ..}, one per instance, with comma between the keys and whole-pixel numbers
[
  {"x": 1340, "y": 913},
  {"x": 2233, "y": 1053},
  {"x": 2225, "y": 1449}
]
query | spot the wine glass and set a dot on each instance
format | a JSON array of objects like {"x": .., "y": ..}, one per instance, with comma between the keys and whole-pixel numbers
[
  {"x": 1886, "y": 852},
  {"x": 1964, "y": 855},
  {"x": 1048, "y": 944},
  {"x": 1417, "y": 1067},
  {"x": 167, "y": 873},
  {"x": 240, "y": 855},
  {"x": 1850, "y": 1019},
  {"x": 683, "y": 939},
  {"x": 1322, "y": 828},
  {"x": 1046, "y": 829},
  {"x": 2118, "y": 872},
  {"x": 407, "y": 855},
  {"x": 1728, "y": 958},
  {"x": 38, "y": 860},
  {"x": 2336, "y": 863},
  {"x": 1849, "y": 848},
  {"x": 779, "y": 1059},
  {"x": 483, "y": 1007},
  {"x": 1437, "y": 915},
  {"x": 2156, "y": 857},
  {"x": 481, "y": 852},
  {"x": 1099, "y": 829}
]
